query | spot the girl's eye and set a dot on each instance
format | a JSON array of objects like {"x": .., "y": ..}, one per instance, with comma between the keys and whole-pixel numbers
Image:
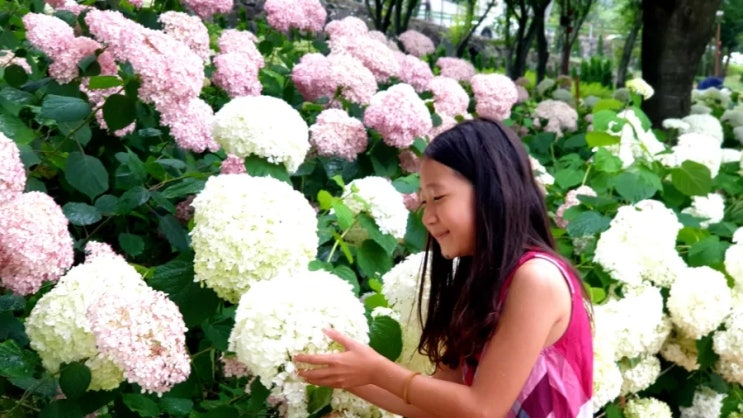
[{"x": 436, "y": 198}]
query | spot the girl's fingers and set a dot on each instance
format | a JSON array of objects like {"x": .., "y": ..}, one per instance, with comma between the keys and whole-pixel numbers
[
  {"x": 340, "y": 338},
  {"x": 314, "y": 358}
]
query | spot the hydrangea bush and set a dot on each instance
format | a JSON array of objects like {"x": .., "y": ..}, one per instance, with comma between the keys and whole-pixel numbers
[{"x": 189, "y": 197}]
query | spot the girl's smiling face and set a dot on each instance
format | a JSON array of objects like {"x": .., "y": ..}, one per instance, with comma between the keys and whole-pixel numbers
[{"x": 448, "y": 203}]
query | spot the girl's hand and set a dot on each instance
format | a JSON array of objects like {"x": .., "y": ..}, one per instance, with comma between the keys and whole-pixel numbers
[{"x": 354, "y": 367}]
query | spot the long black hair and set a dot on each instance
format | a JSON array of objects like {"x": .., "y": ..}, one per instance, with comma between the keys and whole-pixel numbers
[{"x": 510, "y": 217}]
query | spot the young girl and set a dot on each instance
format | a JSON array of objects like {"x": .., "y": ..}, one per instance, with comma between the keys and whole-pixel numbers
[{"x": 507, "y": 323}]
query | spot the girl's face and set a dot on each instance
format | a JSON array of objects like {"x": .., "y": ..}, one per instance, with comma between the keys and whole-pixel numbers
[{"x": 448, "y": 203}]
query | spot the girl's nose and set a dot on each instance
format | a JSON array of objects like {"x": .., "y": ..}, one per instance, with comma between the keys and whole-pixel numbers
[{"x": 429, "y": 216}]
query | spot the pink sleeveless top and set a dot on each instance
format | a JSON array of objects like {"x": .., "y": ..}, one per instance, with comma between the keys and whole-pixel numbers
[{"x": 561, "y": 383}]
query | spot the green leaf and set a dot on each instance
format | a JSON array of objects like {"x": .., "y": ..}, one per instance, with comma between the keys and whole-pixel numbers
[
  {"x": 131, "y": 199},
  {"x": 602, "y": 119},
  {"x": 78, "y": 130},
  {"x": 325, "y": 199},
  {"x": 709, "y": 251},
  {"x": 176, "y": 406},
  {"x": 415, "y": 232},
  {"x": 346, "y": 273},
  {"x": 568, "y": 177},
  {"x": 119, "y": 111},
  {"x": 634, "y": 187},
  {"x": 132, "y": 244},
  {"x": 318, "y": 397},
  {"x": 10, "y": 302},
  {"x": 608, "y": 104},
  {"x": 260, "y": 167},
  {"x": 407, "y": 184},
  {"x": 176, "y": 278},
  {"x": 613, "y": 411},
  {"x": 64, "y": 108},
  {"x": 15, "y": 75},
  {"x": 343, "y": 214},
  {"x": 372, "y": 259},
  {"x": 217, "y": 331},
  {"x": 81, "y": 214},
  {"x": 86, "y": 174},
  {"x": 174, "y": 232},
  {"x": 374, "y": 301},
  {"x": 588, "y": 223},
  {"x": 386, "y": 241},
  {"x": 601, "y": 139},
  {"x": 61, "y": 408},
  {"x": 692, "y": 178},
  {"x": 74, "y": 380},
  {"x": 597, "y": 294},
  {"x": 186, "y": 187},
  {"x": 16, "y": 362},
  {"x": 106, "y": 204},
  {"x": 385, "y": 337},
  {"x": 707, "y": 356},
  {"x": 141, "y": 404},
  {"x": 15, "y": 129},
  {"x": 606, "y": 162},
  {"x": 13, "y": 100},
  {"x": 104, "y": 82}
]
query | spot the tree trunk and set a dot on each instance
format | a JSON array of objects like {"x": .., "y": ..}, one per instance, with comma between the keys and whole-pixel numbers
[
  {"x": 629, "y": 45},
  {"x": 674, "y": 36},
  {"x": 542, "y": 50},
  {"x": 462, "y": 46},
  {"x": 409, "y": 12},
  {"x": 520, "y": 46}
]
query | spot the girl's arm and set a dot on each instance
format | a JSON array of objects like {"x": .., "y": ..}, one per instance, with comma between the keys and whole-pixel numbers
[{"x": 535, "y": 314}]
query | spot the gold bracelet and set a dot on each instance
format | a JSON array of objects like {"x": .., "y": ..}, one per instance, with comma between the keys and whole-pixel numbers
[{"x": 406, "y": 386}]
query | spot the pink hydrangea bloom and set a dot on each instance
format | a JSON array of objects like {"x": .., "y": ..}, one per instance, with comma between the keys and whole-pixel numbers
[
  {"x": 456, "y": 68},
  {"x": 571, "y": 199},
  {"x": 187, "y": 29},
  {"x": 233, "y": 40},
  {"x": 560, "y": 116},
  {"x": 409, "y": 161},
  {"x": 144, "y": 334},
  {"x": 414, "y": 71},
  {"x": 317, "y": 76},
  {"x": 412, "y": 203},
  {"x": 416, "y": 43},
  {"x": 399, "y": 115},
  {"x": 449, "y": 97},
  {"x": 304, "y": 15},
  {"x": 71, "y": 6},
  {"x": 49, "y": 34},
  {"x": 237, "y": 74},
  {"x": 375, "y": 55},
  {"x": 348, "y": 26},
  {"x": 7, "y": 58},
  {"x": 232, "y": 165},
  {"x": 381, "y": 37},
  {"x": 523, "y": 94},
  {"x": 95, "y": 249},
  {"x": 335, "y": 133},
  {"x": 206, "y": 8},
  {"x": 184, "y": 211},
  {"x": 495, "y": 94},
  {"x": 192, "y": 127},
  {"x": 12, "y": 171},
  {"x": 447, "y": 122},
  {"x": 231, "y": 367},
  {"x": 35, "y": 245}
]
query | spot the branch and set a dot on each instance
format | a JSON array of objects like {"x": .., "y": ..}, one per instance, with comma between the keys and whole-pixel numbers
[{"x": 466, "y": 39}]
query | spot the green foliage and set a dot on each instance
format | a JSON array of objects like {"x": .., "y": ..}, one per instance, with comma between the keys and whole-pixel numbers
[{"x": 596, "y": 70}]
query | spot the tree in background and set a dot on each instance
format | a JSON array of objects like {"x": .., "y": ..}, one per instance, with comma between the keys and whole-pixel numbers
[
  {"x": 674, "y": 37},
  {"x": 731, "y": 30},
  {"x": 469, "y": 27},
  {"x": 632, "y": 18},
  {"x": 395, "y": 13},
  {"x": 529, "y": 16},
  {"x": 573, "y": 14}
]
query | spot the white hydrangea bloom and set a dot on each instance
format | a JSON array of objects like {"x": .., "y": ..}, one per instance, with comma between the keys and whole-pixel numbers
[
  {"x": 738, "y": 133},
  {"x": 712, "y": 96},
  {"x": 377, "y": 197},
  {"x": 733, "y": 117},
  {"x": 400, "y": 288},
  {"x": 734, "y": 265},
  {"x": 264, "y": 126},
  {"x": 730, "y": 155},
  {"x": 607, "y": 378},
  {"x": 706, "y": 404},
  {"x": 647, "y": 408},
  {"x": 705, "y": 124},
  {"x": 699, "y": 301},
  {"x": 730, "y": 371},
  {"x": 674, "y": 123},
  {"x": 58, "y": 327},
  {"x": 641, "y": 87},
  {"x": 635, "y": 141},
  {"x": 640, "y": 375},
  {"x": 248, "y": 229},
  {"x": 279, "y": 318},
  {"x": 543, "y": 177},
  {"x": 641, "y": 244},
  {"x": 728, "y": 343},
  {"x": 348, "y": 405},
  {"x": 697, "y": 147},
  {"x": 681, "y": 351},
  {"x": 710, "y": 207},
  {"x": 700, "y": 109}
]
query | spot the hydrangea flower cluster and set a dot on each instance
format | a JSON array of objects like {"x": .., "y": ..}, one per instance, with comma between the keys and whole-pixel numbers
[
  {"x": 303, "y": 15},
  {"x": 35, "y": 245},
  {"x": 317, "y": 76},
  {"x": 541, "y": 175},
  {"x": 248, "y": 229},
  {"x": 58, "y": 325},
  {"x": 414, "y": 71},
  {"x": 697, "y": 124},
  {"x": 495, "y": 94},
  {"x": 400, "y": 288},
  {"x": 640, "y": 244},
  {"x": 377, "y": 197},
  {"x": 560, "y": 116},
  {"x": 639, "y": 376},
  {"x": 207, "y": 8},
  {"x": 348, "y": 26},
  {"x": 237, "y": 65},
  {"x": 697, "y": 147},
  {"x": 399, "y": 115},
  {"x": 286, "y": 315},
  {"x": 416, "y": 43},
  {"x": 335, "y": 133},
  {"x": 264, "y": 126},
  {"x": 449, "y": 97},
  {"x": 734, "y": 262},
  {"x": 635, "y": 142},
  {"x": 681, "y": 350},
  {"x": 8, "y": 58},
  {"x": 347, "y": 405},
  {"x": 707, "y": 403},
  {"x": 189, "y": 30},
  {"x": 143, "y": 333},
  {"x": 12, "y": 171},
  {"x": 727, "y": 344},
  {"x": 647, "y": 407},
  {"x": 232, "y": 165},
  {"x": 641, "y": 87},
  {"x": 456, "y": 68},
  {"x": 711, "y": 208},
  {"x": 571, "y": 199},
  {"x": 374, "y": 54}
]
